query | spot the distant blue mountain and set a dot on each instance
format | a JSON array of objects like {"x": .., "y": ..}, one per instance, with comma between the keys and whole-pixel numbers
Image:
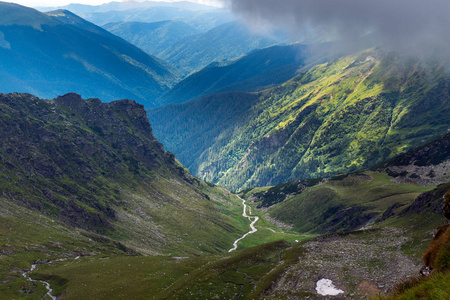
[
  {"x": 259, "y": 69},
  {"x": 201, "y": 17},
  {"x": 225, "y": 42},
  {"x": 55, "y": 53},
  {"x": 153, "y": 38}
]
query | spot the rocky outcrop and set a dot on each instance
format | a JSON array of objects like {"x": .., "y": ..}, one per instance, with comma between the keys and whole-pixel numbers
[
  {"x": 71, "y": 157},
  {"x": 446, "y": 206},
  {"x": 428, "y": 202},
  {"x": 426, "y": 165}
]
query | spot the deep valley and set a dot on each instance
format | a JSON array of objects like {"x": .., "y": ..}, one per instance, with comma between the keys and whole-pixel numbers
[{"x": 204, "y": 150}]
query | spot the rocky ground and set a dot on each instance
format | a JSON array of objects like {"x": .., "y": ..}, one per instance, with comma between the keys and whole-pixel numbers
[
  {"x": 423, "y": 175},
  {"x": 362, "y": 264}
]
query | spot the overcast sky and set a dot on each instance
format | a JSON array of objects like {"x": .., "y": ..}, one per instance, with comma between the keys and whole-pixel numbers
[
  {"x": 421, "y": 26},
  {"x": 406, "y": 25},
  {"x": 53, "y": 3}
]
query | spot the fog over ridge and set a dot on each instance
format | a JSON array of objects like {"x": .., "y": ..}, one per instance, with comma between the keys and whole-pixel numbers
[{"x": 416, "y": 26}]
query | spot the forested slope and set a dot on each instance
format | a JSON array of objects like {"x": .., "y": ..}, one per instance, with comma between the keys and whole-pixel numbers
[{"x": 337, "y": 117}]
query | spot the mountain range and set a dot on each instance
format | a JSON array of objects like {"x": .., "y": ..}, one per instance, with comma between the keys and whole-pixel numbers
[
  {"x": 255, "y": 71},
  {"x": 153, "y": 38},
  {"x": 341, "y": 157},
  {"x": 337, "y": 117},
  {"x": 201, "y": 17},
  {"x": 224, "y": 42},
  {"x": 56, "y": 53}
]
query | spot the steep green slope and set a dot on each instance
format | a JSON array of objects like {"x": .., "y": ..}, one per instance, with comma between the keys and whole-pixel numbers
[
  {"x": 85, "y": 178},
  {"x": 224, "y": 42},
  {"x": 75, "y": 145},
  {"x": 50, "y": 55},
  {"x": 153, "y": 38},
  {"x": 350, "y": 201},
  {"x": 337, "y": 117},
  {"x": 261, "y": 68},
  {"x": 98, "y": 167}
]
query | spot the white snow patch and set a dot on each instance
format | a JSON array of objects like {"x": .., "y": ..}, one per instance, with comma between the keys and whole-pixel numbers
[{"x": 325, "y": 287}]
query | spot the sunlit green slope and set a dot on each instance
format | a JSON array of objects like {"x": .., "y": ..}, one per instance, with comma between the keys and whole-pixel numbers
[
  {"x": 337, "y": 117},
  {"x": 97, "y": 167}
]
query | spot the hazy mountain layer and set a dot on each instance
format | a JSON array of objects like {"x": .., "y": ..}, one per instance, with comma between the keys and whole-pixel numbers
[
  {"x": 50, "y": 55},
  {"x": 224, "y": 42},
  {"x": 201, "y": 17},
  {"x": 153, "y": 38},
  {"x": 253, "y": 72},
  {"x": 337, "y": 117}
]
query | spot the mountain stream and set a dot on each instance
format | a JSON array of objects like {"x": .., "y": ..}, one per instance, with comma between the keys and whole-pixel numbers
[
  {"x": 253, "y": 220},
  {"x": 47, "y": 285}
]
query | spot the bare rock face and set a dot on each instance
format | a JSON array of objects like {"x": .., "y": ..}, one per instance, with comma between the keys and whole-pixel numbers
[{"x": 425, "y": 271}]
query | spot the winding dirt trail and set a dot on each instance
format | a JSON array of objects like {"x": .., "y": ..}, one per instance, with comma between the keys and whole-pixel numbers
[{"x": 253, "y": 220}]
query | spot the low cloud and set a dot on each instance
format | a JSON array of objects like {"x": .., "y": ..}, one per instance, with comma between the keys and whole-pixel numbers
[{"x": 416, "y": 26}]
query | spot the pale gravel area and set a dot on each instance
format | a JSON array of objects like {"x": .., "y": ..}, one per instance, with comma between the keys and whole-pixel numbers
[
  {"x": 421, "y": 175},
  {"x": 361, "y": 264}
]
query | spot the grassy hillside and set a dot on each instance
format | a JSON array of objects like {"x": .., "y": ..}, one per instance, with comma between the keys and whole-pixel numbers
[
  {"x": 85, "y": 178},
  {"x": 276, "y": 270},
  {"x": 97, "y": 167},
  {"x": 337, "y": 117},
  {"x": 345, "y": 203}
]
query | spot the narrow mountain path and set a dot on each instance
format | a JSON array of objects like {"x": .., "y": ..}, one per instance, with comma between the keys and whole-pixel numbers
[{"x": 254, "y": 219}]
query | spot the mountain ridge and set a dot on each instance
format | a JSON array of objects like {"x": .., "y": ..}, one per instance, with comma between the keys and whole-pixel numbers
[
  {"x": 336, "y": 117},
  {"x": 253, "y": 72},
  {"x": 55, "y": 55},
  {"x": 154, "y": 37},
  {"x": 224, "y": 42},
  {"x": 97, "y": 166}
]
